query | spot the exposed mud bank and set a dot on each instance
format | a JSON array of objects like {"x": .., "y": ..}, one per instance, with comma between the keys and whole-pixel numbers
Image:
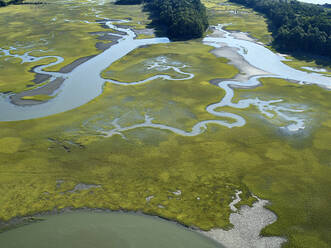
[
  {"x": 48, "y": 89},
  {"x": 73, "y": 65},
  {"x": 76, "y": 88},
  {"x": 246, "y": 70}
]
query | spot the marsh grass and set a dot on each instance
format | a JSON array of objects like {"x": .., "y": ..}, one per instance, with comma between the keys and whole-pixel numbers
[
  {"x": 41, "y": 98},
  {"x": 290, "y": 170},
  {"x": 57, "y": 29},
  {"x": 240, "y": 19}
]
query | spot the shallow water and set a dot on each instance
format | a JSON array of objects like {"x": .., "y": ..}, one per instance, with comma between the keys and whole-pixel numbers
[
  {"x": 266, "y": 60},
  {"x": 104, "y": 230}
]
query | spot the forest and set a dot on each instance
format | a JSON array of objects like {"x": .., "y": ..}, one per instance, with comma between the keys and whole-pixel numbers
[
  {"x": 296, "y": 27},
  {"x": 182, "y": 19},
  {"x": 4, "y": 3}
]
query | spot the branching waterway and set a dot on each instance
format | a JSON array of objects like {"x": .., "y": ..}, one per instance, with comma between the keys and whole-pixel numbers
[
  {"x": 81, "y": 85},
  {"x": 84, "y": 83}
]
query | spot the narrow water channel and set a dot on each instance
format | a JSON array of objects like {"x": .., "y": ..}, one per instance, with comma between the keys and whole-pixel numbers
[{"x": 84, "y": 83}]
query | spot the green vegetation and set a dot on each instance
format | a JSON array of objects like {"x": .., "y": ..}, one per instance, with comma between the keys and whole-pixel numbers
[
  {"x": 239, "y": 18},
  {"x": 182, "y": 19},
  {"x": 16, "y": 77},
  {"x": 4, "y": 3},
  {"x": 307, "y": 61},
  {"x": 56, "y": 31},
  {"x": 194, "y": 55},
  {"x": 296, "y": 26},
  {"x": 301, "y": 204},
  {"x": 41, "y": 98},
  {"x": 244, "y": 19},
  {"x": 143, "y": 162},
  {"x": 129, "y": 2},
  {"x": 42, "y": 160},
  {"x": 292, "y": 172}
]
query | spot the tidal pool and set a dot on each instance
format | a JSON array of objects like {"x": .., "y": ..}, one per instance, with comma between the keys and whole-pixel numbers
[{"x": 101, "y": 230}]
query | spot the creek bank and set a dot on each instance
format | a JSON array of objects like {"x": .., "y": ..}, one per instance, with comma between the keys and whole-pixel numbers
[
  {"x": 77, "y": 75},
  {"x": 247, "y": 222},
  {"x": 73, "y": 65},
  {"x": 145, "y": 31},
  {"x": 241, "y": 53},
  {"x": 246, "y": 70},
  {"x": 48, "y": 89},
  {"x": 41, "y": 77}
]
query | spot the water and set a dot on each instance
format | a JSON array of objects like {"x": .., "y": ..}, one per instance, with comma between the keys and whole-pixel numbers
[
  {"x": 266, "y": 60},
  {"x": 316, "y": 1},
  {"x": 104, "y": 230},
  {"x": 84, "y": 83},
  {"x": 81, "y": 85}
]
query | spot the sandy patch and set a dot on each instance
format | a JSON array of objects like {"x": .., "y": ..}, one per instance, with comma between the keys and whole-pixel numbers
[
  {"x": 83, "y": 186},
  {"x": 146, "y": 31},
  {"x": 247, "y": 225},
  {"x": 242, "y": 36},
  {"x": 217, "y": 33},
  {"x": 246, "y": 70}
]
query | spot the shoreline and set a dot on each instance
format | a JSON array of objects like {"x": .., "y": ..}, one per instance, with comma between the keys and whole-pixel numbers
[
  {"x": 247, "y": 221},
  {"x": 51, "y": 87},
  {"x": 48, "y": 89},
  {"x": 19, "y": 221}
]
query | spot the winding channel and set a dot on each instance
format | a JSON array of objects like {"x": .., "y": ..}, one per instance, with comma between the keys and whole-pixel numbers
[
  {"x": 84, "y": 83},
  {"x": 81, "y": 85}
]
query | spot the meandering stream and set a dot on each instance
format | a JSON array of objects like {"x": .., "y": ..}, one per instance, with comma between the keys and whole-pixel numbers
[
  {"x": 81, "y": 85},
  {"x": 84, "y": 83}
]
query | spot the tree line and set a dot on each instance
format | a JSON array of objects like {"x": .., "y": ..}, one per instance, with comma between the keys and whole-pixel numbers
[
  {"x": 4, "y": 3},
  {"x": 182, "y": 19},
  {"x": 296, "y": 27}
]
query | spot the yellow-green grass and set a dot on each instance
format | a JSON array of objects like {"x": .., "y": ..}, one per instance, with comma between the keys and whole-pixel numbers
[
  {"x": 291, "y": 171},
  {"x": 47, "y": 27},
  {"x": 17, "y": 77},
  {"x": 255, "y": 24},
  {"x": 245, "y": 20},
  {"x": 41, "y": 98},
  {"x": 193, "y": 54},
  {"x": 145, "y": 36},
  {"x": 308, "y": 62},
  {"x": 128, "y": 171},
  {"x": 295, "y": 174}
]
